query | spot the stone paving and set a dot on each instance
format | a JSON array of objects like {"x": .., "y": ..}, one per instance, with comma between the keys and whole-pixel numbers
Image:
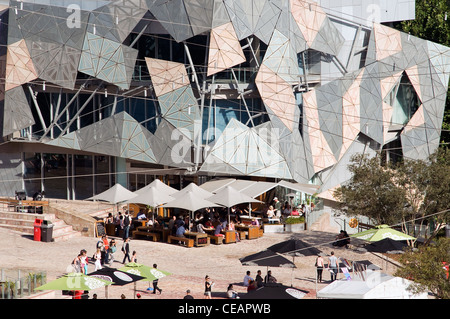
[{"x": 188, "y": 266}]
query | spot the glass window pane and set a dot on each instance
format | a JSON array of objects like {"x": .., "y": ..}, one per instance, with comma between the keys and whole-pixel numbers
[
  {"x": 101, "y": 174},
  {"x": 32, "y": 176},
  {"x": 83, "y": 183},
  {"x": 55, "y": 175}
]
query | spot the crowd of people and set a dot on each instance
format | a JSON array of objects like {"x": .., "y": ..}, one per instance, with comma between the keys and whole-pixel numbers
[
  {"x": 282, "y": 211},
  {"x": 104, "y": 254},
  {"x": 251, "y": 283},
  {"x": 206, "y": 219}
]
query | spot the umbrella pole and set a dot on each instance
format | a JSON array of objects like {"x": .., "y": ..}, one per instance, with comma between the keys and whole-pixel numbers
[
  {"x": 134, "y": 295},
  {"x": 292, "y": 271},
  {"x": 106, "y": 292}
]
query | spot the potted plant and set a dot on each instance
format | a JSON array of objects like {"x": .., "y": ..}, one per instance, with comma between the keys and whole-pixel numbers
[{"x": 294, "y": 224}]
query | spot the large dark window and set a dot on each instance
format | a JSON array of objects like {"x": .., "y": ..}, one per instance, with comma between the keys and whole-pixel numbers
[
  {"x": 55, "y": 175},
  {"x": 32, "y": 176},
  {"x": 83, "y": 176}
]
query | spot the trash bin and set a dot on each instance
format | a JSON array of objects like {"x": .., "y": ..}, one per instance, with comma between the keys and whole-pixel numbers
[
  {"x": 37, "y": 229},
  {"x": 47, "y": 231}
]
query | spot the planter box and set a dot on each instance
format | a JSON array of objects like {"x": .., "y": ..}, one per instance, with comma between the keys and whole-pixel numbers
[
  {"x": 294, "y": 228},
  {"x": 275, "y": 228}
]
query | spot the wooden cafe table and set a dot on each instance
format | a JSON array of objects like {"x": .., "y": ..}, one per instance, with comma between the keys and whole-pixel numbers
[
  {"x": 200, "y": 239},
  {"x": 252, "y": 231}
]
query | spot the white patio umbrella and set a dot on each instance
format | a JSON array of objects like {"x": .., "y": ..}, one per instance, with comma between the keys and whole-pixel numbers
[
  {"x": 229, "y": 196},
  {"x": 160, "y": 186},
  {"x": 196, "y": 190},
  {"x": 151, "y": 196},
  {"x": 190, "y": 201},
  {"x": 114, "y": 195}
]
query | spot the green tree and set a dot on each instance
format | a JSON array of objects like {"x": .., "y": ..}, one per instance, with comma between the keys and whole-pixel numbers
[
  {"x": 432, "y": 23},
  {"x": 426, "y": 268},
  {"x": 427, "y": 187},
  {"x": 437, "y": 199},
  {"x": 371, "y": 192},
  {"x": 413, "y": 192}
]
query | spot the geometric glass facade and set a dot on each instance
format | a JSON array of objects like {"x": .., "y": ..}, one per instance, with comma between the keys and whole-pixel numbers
[{"x": 99, "y": 92}]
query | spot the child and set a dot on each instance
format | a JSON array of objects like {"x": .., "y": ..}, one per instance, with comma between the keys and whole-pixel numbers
[
  {"x": 84, "y": 261},
  {"x": 98, "y": 257}
]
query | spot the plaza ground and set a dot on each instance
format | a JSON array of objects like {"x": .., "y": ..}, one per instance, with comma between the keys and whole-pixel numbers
[{"x": 188, "y": 266}]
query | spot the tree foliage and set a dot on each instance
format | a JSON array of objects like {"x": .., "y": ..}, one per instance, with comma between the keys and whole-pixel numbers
[
  {"x": 413, "y": 192},
  {"x": 425, "y": 267},
  {"x": 371, "y": 192}
]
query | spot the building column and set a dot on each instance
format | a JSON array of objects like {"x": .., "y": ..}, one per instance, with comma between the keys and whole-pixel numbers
[{"x": 121, "y": 171}]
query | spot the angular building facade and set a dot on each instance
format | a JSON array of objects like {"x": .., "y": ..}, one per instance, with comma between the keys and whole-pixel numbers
[{"x": 100, "y": 92}]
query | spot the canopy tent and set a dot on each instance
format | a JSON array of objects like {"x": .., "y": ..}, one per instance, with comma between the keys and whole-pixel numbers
[
  {"x": 380, "y": 232},
  {"x": 149, "y": 273},
  {"x": 381, "y": 286},
  {"x": 115, "y": 276},
  {"x": 294, "y": 247},
  {"x": 275, "y": 291},
  {"x": 386, "y": 245},
  {"x": 114, "y": 195},
  {"x": 75, "y": 281},
  {"x": 267, "y": 258},
  {"x": 160, "y": 186},
  {"x": 256, "y": 188}
]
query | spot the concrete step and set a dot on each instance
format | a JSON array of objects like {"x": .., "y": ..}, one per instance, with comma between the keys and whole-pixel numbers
[
  {"x": 25, "y": 216},
  {"x": 24, "y": 223}
]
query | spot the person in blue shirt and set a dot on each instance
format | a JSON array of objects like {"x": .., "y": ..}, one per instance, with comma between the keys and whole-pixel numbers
[
  {"x": 218, "y": 230},
  {"x": 180, "y": 231}
]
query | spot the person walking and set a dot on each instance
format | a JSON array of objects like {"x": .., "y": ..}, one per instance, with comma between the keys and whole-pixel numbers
[
  {"x": 126, "y": 225},
  {"x": 319, "y": 268},
  {"x": 104, "y": 250},
  {"x": 333, "y": 266},
  {"x": 155, "y": 282},
  {"x": 112, "y": 250},
  {"x": 126, "y": 250},
  {"x": 208, "y": 286}
]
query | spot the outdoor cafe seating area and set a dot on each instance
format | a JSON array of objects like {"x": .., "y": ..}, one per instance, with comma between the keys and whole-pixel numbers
[
  {"x": 231, "y": 206},
  {"x": 223, "y": 207},
  {"x": 158, "y": 230}
]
